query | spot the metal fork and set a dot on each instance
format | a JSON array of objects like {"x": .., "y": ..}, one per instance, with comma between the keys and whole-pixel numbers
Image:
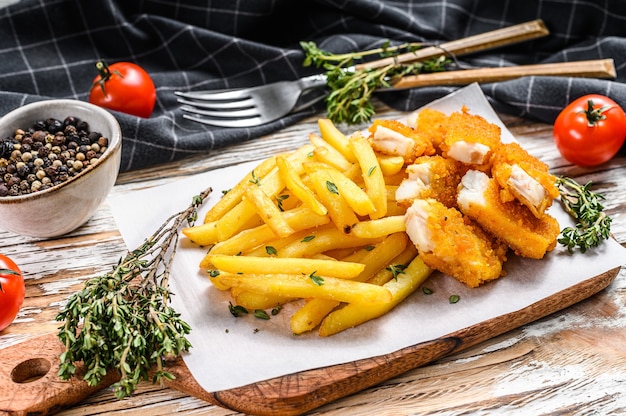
[
  {"x": 248, "y": 107},
  {"x": 254, "y": 106}
]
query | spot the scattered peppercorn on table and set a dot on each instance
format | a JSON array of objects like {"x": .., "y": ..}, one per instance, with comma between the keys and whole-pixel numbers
[{"x": 572, "y": 359}]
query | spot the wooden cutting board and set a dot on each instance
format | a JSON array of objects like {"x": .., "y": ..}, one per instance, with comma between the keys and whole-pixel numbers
[{"x": 29, "y": 383}]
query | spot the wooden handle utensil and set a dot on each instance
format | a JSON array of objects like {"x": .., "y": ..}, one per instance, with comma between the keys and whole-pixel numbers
[
  {"x": 601, "y": 68},
  {"x": 480, "y": 42}
]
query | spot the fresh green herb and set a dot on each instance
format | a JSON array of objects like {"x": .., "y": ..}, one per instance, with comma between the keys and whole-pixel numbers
[
  {"x": 592, "y": 224},
  {"x": 427, "y": 290},
  {"x": 271, "y": 250},
  {"x": 371, "y": 170},
  {"x": 237, "y": 310},
  {"x": 396, "y": 269},
  {"x": 276, "y": 309},
  {"x": 318, "y": 280},
  {"x": 368, "y": 248},
  {"x": 351, "y": 90},
  {"x": 225, "y": 191},
  {"x": 454, "y": 298},
  {"x": 308, "y": 238},
  {"x": 332, "y": 188},
  {"x": 256, "y": 181},
  {"x": 261, "y": 314},
  {"x": 214, "y": 273},
  {"x": 122, "y": 320},
  {"x": 279, "y": 201}
]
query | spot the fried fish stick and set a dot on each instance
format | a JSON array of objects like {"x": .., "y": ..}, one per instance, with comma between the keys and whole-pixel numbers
[
  {"x": 432, "y": 124},
  {"x": 394, "y": 138},
  {"x": 527, "y": 235},
  {"x": 524, "y": 177},
  {"x": 431, "y": 177},
  {"x": 470, "y": 139},
  {"x": 446, "y": 242}
]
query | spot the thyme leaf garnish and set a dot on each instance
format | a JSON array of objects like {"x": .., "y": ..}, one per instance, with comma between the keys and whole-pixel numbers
[
  {"x": 351, "y": 89},
  {"x": 122, "y": 319},
  {"x": 593, "y": 225}
]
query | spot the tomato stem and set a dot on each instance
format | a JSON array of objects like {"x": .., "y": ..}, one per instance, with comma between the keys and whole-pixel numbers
[
  {"x": 105, "y": 75},
  {"x": 594, "y": 115}
]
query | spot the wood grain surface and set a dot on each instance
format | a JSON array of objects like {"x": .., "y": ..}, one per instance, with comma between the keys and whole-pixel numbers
[{"x": 569, "y": 362}]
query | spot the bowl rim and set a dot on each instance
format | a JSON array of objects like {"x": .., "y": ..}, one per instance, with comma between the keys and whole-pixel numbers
[{"x": 109, "y": 152}]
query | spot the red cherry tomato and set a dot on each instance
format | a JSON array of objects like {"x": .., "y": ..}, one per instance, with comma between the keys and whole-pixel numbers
[
  {"x": 590, "y": 130},
  {"x": 124, "y": 87},
  {"x": 11, "y": 291}
]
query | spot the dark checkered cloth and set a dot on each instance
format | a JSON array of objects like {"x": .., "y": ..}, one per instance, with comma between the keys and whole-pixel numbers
[{"x": 48, "y": 49}]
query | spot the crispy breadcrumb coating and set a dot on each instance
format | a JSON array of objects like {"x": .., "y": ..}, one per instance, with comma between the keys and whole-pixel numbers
[
  {"x": 392, "y": 137},
  {"x": 523, "y": 177},
  {"x": 434, "y": 177},
  {"x": 470, "y": 139},
  {"x": 446, "y": 241},
  {"x": 432, "y": 123},
  {"x": 513, "y": 223}
]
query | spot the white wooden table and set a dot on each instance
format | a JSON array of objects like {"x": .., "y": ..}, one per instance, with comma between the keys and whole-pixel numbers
[{"x": 572, "y": 362}]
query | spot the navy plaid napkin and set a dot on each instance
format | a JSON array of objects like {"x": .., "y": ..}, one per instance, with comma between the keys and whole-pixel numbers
[{"x": 49, "y": 48}]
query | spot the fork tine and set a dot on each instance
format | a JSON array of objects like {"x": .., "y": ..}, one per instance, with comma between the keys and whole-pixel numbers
[
  {"x": 242, "y": 122},
  {"x": 219, "y": 105},
  {"x": 228, "y": 94},
  {"x": 243, "y": 113}
]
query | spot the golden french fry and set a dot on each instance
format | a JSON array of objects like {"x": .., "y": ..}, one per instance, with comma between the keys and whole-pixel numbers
[
  {"x": 233, "y": 196},
  {"x": 276, "y": 265},
  {"x": 271, "y": 247},
  {"x": 268, "y": 211},
  {"x": 337, "y": 139},
  {"x": 372, "y": 174},
  {"x": 293, "y": 182},
  {"x": 301, "y": 286},
  {"x": 390, "y": 165},
  {"x": 356, "y": 197},
  {"x": 301, "y": 218},
  {"x": 356, "y": 313},
  {"x": 237, "y": 219},
  {"x": 271, "y": 184},
  {"x": 398, "y": 262},
  {"x": 323, "y": 239},
  {"x": 311, "y": 314},
  {"x": 339, "y": 211},
  {"x": 255, "y": 300},
  {"x": 380, "y": 227},
  {"x": 202, "y": 234},
  {"x": 325, "y": 152}
]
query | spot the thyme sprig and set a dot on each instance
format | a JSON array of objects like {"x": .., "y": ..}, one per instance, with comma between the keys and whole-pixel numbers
[
  {"x": 351, "y": 90},
  {"x": 593, "y": 225},
  {"x": 122, "y": 320}
]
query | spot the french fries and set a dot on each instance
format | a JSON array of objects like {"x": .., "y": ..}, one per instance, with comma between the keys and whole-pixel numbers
[{"x": 318, "y": 226}]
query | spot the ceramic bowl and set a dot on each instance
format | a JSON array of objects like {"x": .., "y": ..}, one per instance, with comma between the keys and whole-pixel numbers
[{"x": 63, "y": 208}]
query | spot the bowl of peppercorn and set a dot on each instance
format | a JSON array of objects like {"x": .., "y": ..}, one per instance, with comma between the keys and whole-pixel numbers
[{"x": 59, "y": 160}]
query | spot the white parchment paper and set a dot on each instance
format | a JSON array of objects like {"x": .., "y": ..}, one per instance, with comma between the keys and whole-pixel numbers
[{"x": 229, "y": 352}]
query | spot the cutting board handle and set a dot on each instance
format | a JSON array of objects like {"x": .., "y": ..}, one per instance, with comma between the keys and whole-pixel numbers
[{"x": 29, "y": 379}]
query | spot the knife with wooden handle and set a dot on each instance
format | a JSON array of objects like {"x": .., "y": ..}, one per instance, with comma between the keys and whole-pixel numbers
[
  {"x": 483, "y": 41},
  {"x": 599, "y": 68}
]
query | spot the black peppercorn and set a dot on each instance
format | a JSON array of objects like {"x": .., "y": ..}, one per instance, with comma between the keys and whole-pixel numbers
[
  {"x": 39, "y": 125},
  {"x": 47, "y": 154},
  {"x": 70, "y": 121},
  {"x": 53, "y": 125},
  {"x": 82, "y": 125}
]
